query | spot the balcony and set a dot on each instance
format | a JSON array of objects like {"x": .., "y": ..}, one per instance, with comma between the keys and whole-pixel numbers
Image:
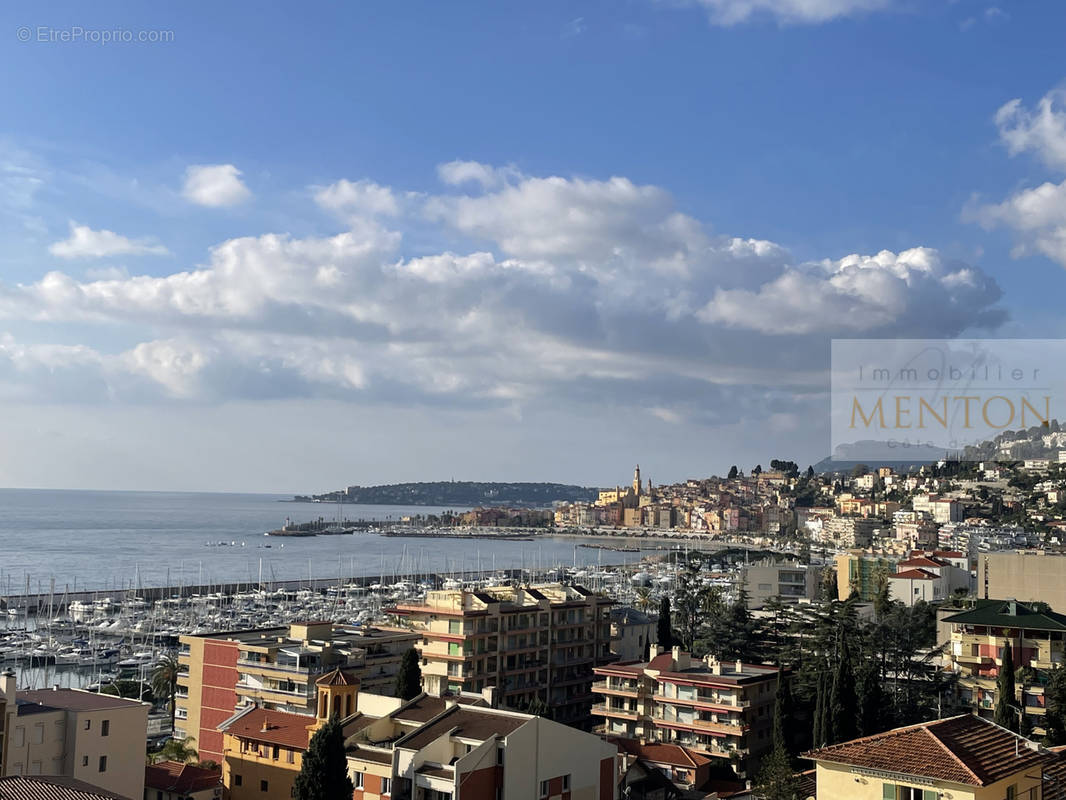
[
  {"x": 603, "y": 710},
  {"x": 605, "y": 687}
]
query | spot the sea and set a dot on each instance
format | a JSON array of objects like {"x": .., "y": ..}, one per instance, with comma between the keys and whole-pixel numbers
[{"x": 70, "y": 541}]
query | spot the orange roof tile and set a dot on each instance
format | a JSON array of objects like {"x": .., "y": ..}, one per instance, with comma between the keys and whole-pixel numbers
[
  {"x": 272, "y": 727},
  {"x": 965, "y": 749}
]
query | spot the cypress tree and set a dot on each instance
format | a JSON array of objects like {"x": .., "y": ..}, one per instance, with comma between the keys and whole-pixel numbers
[
  {"x": 409, "y": 677},
  {"x": 1055, "y": 697},
  {"x": 664, "y": 631},
  {"x": 843, "y": 705},
  {"x": 871, "y": 700},
  {"x": 819, "y": 710},
  {"x": 324, "y": 773},
  {"x": 780, "y": 736},
  {"x": 1004, "y": 714}
]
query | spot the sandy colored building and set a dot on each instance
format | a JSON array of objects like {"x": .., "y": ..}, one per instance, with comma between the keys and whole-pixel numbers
[
  {"x": 535, "y": 643},
  {"x": 96, "y": 739},
  {"x": 975, "y": 653},
  {"x": 429, "y": 748},
  {"x": 276, "y": 668},
  {"x": 961, "y": 758},
  {"x": 788, "y": 581},
  {"x": 1026, "y": 575},
  {"x": 722, "y": 710}
]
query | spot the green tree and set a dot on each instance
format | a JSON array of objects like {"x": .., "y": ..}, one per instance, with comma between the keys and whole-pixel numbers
[
  {"x": 643, "y": 599},
  {"x": 1005, "y": 714},
  {"x": 664, "y": 631},
  {"x": 843, "y": 704},
  {"x": 776, "y": 780},
  {"x": 810, "y": 472},
  {"x": 324, "y": 773},
  {"x": 1055, "y": 698},
  {"x": 164, "y": 682},
  {"x": 409, "y": 677},
  {"x": 180, "y": 750},
  {"x": 733, "y": 472}
]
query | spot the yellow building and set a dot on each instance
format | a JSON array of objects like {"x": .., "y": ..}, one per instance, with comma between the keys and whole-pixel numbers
[
  {"x": 975, "y": 653},
  {"x": 276, "y": 668},
  {"x": 529, "y": 643},
  {"x": 1027, "y": 575},
  {"x": 94, "y": 738},
  {"x": 959, "y": 758},
  {"x": 263, "y": 749}
]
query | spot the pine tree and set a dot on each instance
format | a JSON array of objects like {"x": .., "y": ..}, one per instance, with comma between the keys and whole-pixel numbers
[
  {"x": 1005, "y": 715},
  {"x": 1055, "y": 697},
  {"x": 409, "y": 677},
  {"x": 819, "y": 710},
  {"x": 776, "y": 780},
  {"x": 664, "y": 631},
  {"x": 843, "y": 705},
  {"x": 324, "y": 773},
  {"x": 733, "y": 472},
  {"x": 871, "y": 700}
]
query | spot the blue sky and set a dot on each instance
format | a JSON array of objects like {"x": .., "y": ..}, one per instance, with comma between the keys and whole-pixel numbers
[{"x": 334, "y": 306}]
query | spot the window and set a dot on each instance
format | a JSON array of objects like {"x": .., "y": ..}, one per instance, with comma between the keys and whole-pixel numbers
[
  {"x": 386, "y": 785},
  {"x": 88, "y": 724},
  {"x": 277, "y": 753},
  {"x": 891, "y": 791},
  {"x": 499, "y": 756},
  {"x": 1012, "y": 792},
  {"x": 264, "y": 786},
  {"x": 290, "y": 756},
  {"x": 357, "y": 780},
  {"x": 455, "y": 626},
  {"x": 105, "y": 727},
  {"x": 85, "y": 761},
  {"x": 544, "y": 788},
  {"x": 566, "y": 782},
  {"x": 158, "y": 796},
  {"x": 20, "y": 736},
  {"x": 237, "y": 780},
  {"x": 103, "y": 764}
]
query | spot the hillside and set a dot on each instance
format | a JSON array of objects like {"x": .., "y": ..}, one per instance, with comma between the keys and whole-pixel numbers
[{"x": 458, "y": 493}]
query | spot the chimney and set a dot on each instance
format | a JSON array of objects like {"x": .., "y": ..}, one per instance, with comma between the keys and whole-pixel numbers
[
  {"x": 675, "y": 653},
  {"x": 488, "y": 694},
  {"x": 7, "y": 685},
  {"x": 740, "y": 665},
  {"x": 714, "y": 665},
  {"x": 265, "y": 728},
  {"x": 654, "y": 650}
]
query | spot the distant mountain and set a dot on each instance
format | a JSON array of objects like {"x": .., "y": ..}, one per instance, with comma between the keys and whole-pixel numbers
[
  {"x": 874, "y": 454},
  {"x": 458, "y": 493}
]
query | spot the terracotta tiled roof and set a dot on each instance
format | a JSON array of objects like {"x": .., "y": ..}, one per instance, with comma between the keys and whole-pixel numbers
[
  {"x": 964, "y": 749},
  {"x": 922, "y": 561},
  {"x": 271, "y": 727},
  {"x": 22, "y": 787},
  {"x": 916, "y": 574},
  {"x": 173, "y": 776},
  {"x": 673, "y": 754},
  {"x": 337, "y": 678}
]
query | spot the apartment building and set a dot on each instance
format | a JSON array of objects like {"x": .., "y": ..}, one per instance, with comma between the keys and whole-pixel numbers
[
  {"x": 93, "y": 738},
  {"x": 862, "y": 573},
  {"x": 929, "y": 577},
  {"x": 631, "y": 632},
  {"x": 788, "y": 581},
  {"x": 1027, "y": 575},
  {"x": 722, "y": 710},
  {"x": 276, "y": 669},
  {"x": 424, "y": 749},
  {"x": 962, "y": 758},
  {"x": 533, "y": 644},
  {"x": 975, "y": 653},
  {"x": 425, "y": 752},
  {"x": 850, "y": 531}
]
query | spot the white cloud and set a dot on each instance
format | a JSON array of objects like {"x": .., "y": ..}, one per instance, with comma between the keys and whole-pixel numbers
[
  {"x": 861, "y": 294},
  {"x": 1037, "y": 215},
  {"x": 358, "y": 197},
  {"x": 578, "y": 291},
  {"x": 84, "y": 242},
  {"x": 457, "y": 173},
  {"x": 1041, "y": 130},
  {"x": 214, "y": 185},
  {"x": 732, "y": 12}
]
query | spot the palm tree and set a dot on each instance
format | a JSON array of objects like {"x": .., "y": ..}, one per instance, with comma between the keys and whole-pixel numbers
[
  {"x": 644, "y": 599},
  {"x": 164, "y": 682},
  {"x": 180, "y": 750}
]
